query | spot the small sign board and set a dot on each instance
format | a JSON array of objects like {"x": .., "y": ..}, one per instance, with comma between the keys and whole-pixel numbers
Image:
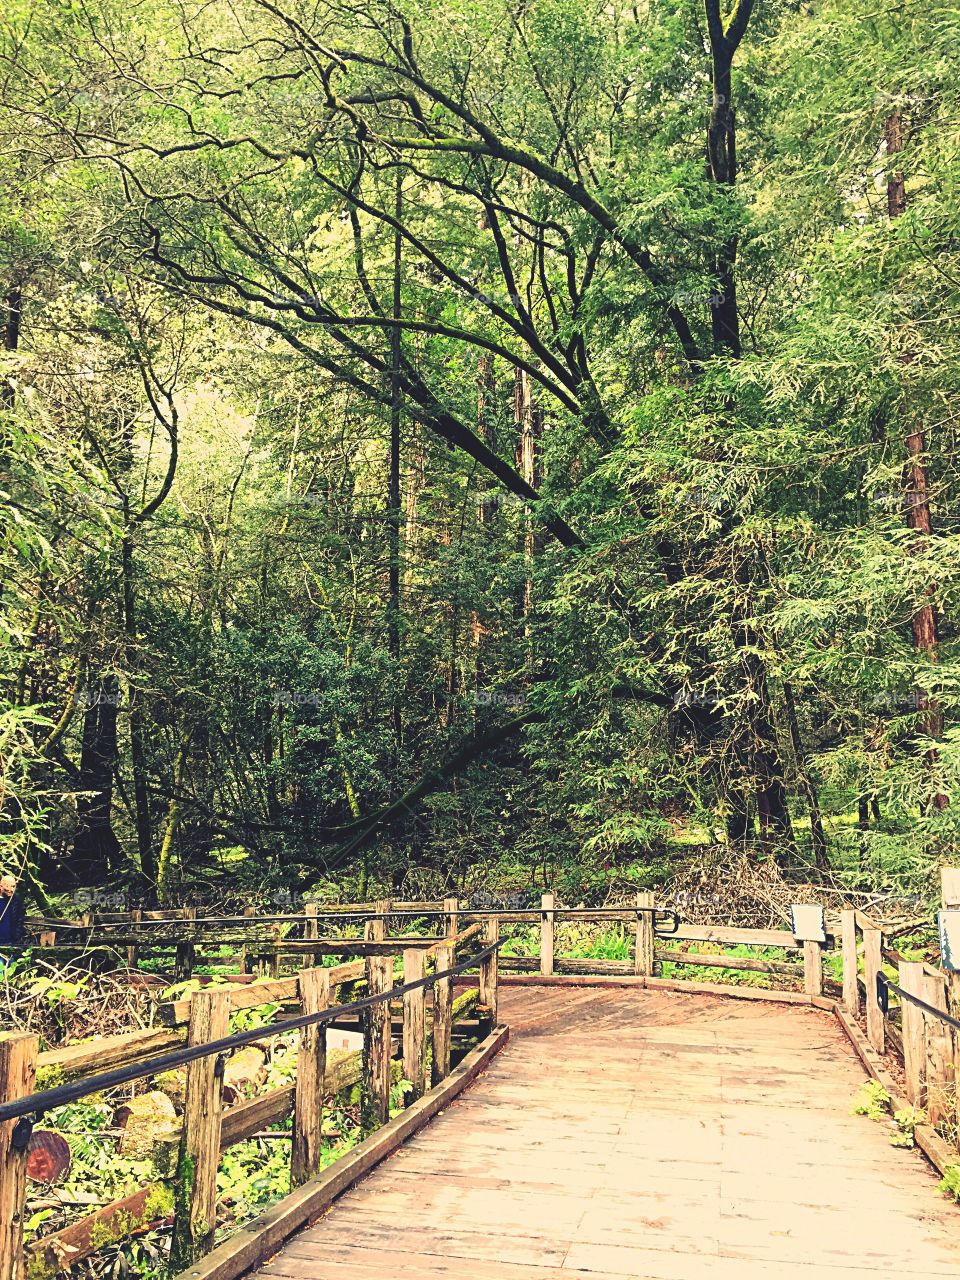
[
  {"x": 808, "y": 922},
  {"x": 948, "y": 922}
]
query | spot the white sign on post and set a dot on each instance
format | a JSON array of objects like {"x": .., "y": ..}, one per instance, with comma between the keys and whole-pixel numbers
[
  {"x": 948, "y": 923},
  {"x": 808, "y": 922}
]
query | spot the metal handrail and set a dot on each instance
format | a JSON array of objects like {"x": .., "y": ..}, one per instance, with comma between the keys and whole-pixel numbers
[
  {"x": 885, "y": 986},
  {"x": 34, "y": 1104}
]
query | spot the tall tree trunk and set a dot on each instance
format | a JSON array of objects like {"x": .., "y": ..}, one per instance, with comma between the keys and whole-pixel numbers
[
  {"x": 96, "y": 849},
  {"x": 761, "y": 745},
  {"x": 138, "y": 755},
  {"x": 394, "y": 508},
  {"x": 923, "y": 624}
]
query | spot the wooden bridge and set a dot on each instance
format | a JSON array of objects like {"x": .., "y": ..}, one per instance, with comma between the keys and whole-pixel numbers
[{"x": 605, "y": 1124}]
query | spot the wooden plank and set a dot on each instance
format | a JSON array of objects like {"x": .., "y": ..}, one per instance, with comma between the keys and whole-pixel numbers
[
  {"x": 911, "y": 1022},
  {"x": 547, "y": 933},
  {"x": 344, "y": 1070},
  {"x": 144, "y": 1209},
  {"x": 442, "y": 1017},
  {"x": 643, "y": 945},
  {"x": 745, "y": 963},
  {"x": 18, "y": 1065},
  {"x": 307, "y": 1145},
  {"x": 195, "y": 1214},
  {"x": 812, "y": 968},
  {"x": 848, "y": 934},
  {"x": 872, "y": 944},
  {"x": 375, "y": 1103},
  {"x": 109, "y": 1051},
  {"x": 263, "y": 991},
  {"x": 261, "y": 1237},
  {"x": 739, "y": 937},
  {"x": 414, "y": 1026}
]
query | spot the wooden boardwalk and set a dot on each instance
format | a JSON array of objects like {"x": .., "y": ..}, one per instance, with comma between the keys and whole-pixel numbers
[{"x": 651, "y": 1135}]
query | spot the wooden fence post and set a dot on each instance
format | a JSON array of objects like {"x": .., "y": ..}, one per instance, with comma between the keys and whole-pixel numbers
[
  {"x": 812, "y": 968},
  {"x": 18, "y": 1065},
  {"x": 314, "y": 987},
  {"x": 442, "y": 1017},
  {"x": 377, "y": 1045},
  {"x": 912, "y": 1020},
  {"x": 277, "y": 938},
  {"x": 451, "y": 916},
  {"x": 488, "y": 971},
  {"x": 414, "y": 1025},
  {"x": 195, "y": 1188},
  {"x": 183, "y": 965},
  {"x": 939, "y": 1050},
  {"x": 848, "y": 936},
  {"x": 872, "y": 943},
  {"x": 311, "y": 927},
  {"x": 136, "y": 916},
  {"x": 547, "y": 902},
  {"x": 246, "y": 962},
  {"x": 643, "y": 949},
  {"x": 376, "y": 930}
]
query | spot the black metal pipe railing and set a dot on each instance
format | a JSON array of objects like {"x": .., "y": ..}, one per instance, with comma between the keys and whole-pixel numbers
[
  {"x": 669, "y": 925},
  {"x": 35, "y": 1104},
  {"x": 885, "y": 986}
]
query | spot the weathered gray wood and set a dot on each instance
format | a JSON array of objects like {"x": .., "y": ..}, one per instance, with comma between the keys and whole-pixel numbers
[
  {"x": 375, "y": 1103},
  {"x": 488, "y": 971},
  {"x": 311, "y": 926},
  {"x": 848, "y": 937},
  {"x": 938, "y": 1095},
  {"x": 110, "y": 1051},
  {"x": 711, "y": 961},
  {"x": 451, "y": 917},
  {"x": 547, "y": 933},
  {"x": 812, "y": 968},
  {"x": 414, "y": 1026},
  {"x": 376, "y": 930},
  {"x": 644, "y": 941},
  {"x": 18, "y": 1064},
  {"x": 872, "y": 945},
  {"x": 442, "y": 1016},
  {"x": 132, "y": 952},
  {"x": 311, "y": 1072},
  {"x": 195, "y": 1190},
  {"x": 248, "y": 960},
  {"x": 184, "y": 962},
  {"x": 911, "y": 1022},
  {"x": 745, "y": 937},
  {"x": 950, "y": 886}
]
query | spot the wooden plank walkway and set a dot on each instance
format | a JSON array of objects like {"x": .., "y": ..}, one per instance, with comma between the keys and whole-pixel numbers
[{"x": 651, "y": 1135}]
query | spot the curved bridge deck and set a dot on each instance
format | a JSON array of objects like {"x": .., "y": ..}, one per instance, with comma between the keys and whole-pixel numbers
[{"x": 645, "y": 1134}]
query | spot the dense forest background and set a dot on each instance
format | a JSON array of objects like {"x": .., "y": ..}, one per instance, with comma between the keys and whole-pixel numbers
[{"x": 453, "y": 445}]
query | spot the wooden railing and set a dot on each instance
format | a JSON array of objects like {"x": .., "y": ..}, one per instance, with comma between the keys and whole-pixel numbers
[{"x": 200, "y": 1020}]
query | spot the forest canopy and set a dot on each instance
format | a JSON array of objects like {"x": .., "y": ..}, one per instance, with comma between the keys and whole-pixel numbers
[{"x": 446, "y": 445}]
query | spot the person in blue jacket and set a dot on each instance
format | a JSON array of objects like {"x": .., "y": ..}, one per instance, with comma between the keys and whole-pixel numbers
[{"x": 13, "y": 911}]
